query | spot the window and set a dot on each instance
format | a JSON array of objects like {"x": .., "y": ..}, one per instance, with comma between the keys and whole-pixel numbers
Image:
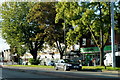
[{"x": 84, "y": 41}]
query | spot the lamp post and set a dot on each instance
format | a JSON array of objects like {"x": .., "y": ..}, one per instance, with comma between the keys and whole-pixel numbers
[{"x": 112, "y": 35}]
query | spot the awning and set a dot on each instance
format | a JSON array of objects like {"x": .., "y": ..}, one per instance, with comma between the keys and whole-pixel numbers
[{"x": 95, "y": 49}]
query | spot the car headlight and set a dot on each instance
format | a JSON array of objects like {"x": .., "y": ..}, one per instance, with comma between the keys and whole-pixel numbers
[
  {"x": 68, "y": 64},
  {"x": 80, "y": 65}
]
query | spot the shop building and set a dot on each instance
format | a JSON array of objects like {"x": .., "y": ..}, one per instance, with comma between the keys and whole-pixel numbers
[{"x": 91, "y": 52}]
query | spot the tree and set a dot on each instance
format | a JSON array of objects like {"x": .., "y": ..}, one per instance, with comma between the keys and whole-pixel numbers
[
  {"x": 10, "y": 32},
  {"x": 98, "y": 24},
  {"x": 17, "y": 31},
  {"x": 55, "y": 38},
  {"x": 44, "y": 15},
  {"x": 69, "y": 12},
  {"x": 117, "y": 16},
  {"x": 0, "y": 23},
  {"x": 89, "y": 17}
]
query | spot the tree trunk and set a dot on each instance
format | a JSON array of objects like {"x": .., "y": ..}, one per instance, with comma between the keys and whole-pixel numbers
[
  {"x": 35, "y": 56},
  {"x": 101, "y": 56},
  {"x": 34, "y": 53},
  {"x": 60, "y": 50},
  {"x": 61, "y": 55},
  {"x": 18, "y": 59},
  {"x": 101, "y": 38}
]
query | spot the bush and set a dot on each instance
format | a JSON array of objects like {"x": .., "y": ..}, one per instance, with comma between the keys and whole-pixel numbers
[{"x": 34, "y": 62}]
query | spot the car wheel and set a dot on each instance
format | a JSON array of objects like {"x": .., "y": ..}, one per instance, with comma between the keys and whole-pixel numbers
[
  {"x": 79, "y": 69},
  {"x": 56, "y": 68},
  {"x": 65, "y": 68}
]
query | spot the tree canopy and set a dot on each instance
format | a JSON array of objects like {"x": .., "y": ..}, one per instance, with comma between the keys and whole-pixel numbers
[
  {"x": 28, "y": 25},
  {"x": 13, "y": 17},
  {"x": 86, "y": 17},
  {"x": 44, "y": 15},
  {"x": 15, "y": 28}
]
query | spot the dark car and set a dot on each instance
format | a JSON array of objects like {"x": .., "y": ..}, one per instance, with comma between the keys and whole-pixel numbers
[{"x": 67, "y": 65}]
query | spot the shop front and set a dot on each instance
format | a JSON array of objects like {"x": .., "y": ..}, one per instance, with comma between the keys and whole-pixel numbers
[{"x": 91, "y": 55}]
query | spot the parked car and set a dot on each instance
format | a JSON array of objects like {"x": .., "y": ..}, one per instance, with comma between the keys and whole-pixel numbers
[
  {"x": 50, "y": 63},
  {"x": 25, "y": 63},
  {"x": 67, "y": 65}
]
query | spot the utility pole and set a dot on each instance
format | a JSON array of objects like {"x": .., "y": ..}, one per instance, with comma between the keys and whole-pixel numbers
[{"x": 112, "y": 36}]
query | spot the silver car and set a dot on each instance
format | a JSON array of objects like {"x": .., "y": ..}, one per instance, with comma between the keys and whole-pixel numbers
[{"x": 67, "y": 65}]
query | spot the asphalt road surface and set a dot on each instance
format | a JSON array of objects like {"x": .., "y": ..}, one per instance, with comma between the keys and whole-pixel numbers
[{"x": 11, "y": 74}]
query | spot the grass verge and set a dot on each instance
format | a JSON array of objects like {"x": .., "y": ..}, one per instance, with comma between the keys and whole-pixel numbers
[
  {"x": 83, "y": 67},
  {"x": 100, "y": 68},
  {"x": 39, "y": 66}
]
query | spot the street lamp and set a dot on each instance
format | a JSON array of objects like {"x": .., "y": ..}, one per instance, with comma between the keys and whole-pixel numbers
[{"x": 112, "y": 35}]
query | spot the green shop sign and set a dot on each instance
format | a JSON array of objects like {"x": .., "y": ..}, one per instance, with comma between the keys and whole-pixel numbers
[{"x": 95, "y": 49}]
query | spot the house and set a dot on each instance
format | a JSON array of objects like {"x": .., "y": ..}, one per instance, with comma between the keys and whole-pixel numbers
[{"x": 6, "y": 57}]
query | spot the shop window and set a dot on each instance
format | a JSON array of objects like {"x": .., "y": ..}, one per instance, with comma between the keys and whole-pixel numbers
[{"x": 84, "y": 41}]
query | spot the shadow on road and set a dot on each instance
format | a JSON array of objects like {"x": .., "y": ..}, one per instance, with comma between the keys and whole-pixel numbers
[{"x": 93, "y": 70}]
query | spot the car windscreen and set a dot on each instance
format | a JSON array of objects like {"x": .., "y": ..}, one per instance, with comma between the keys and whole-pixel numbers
[
  {"x": 71, "y": 61},
  {"x": 67, "y": 60}
]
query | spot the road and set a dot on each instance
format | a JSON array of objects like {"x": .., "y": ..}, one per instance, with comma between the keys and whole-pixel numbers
[
  {"x": 21, "y": 75},
  {"x": 42, "y": 74}
]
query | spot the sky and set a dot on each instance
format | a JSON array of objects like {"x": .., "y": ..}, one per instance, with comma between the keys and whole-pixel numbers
[{"x": 3, "y": 44}]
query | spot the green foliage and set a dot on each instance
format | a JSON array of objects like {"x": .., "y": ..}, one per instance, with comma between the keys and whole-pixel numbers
[
  {"x": 44, "y": 15},
  {"x": 13, "y": 15},
  {"x": 21, "y": 50},
  {"x": 71, "y": 13},
  {"x": 89, "y": 17},
  {"x": 34, "y": 62},
  {"x": 117, "y": 17},
  {"x": 17, "y": 31}
]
